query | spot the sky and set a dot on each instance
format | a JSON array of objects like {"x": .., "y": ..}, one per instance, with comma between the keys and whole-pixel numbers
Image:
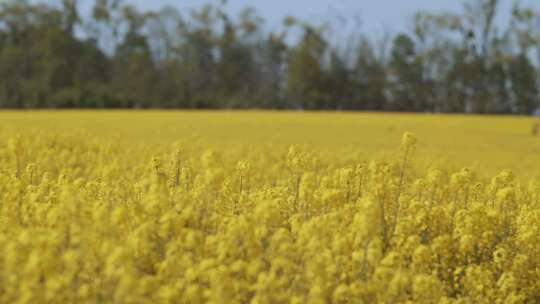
[{"x": 376, "y": 16}]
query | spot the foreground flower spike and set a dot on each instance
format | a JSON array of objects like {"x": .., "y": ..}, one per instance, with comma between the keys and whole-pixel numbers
[{"x": 408, "y": 140}]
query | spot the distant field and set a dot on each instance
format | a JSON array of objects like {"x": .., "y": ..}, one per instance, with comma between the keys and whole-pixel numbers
[{"x": 487, "y": 143}]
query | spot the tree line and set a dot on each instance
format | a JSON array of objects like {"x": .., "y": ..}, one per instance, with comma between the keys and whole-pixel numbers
[{"x": 117, "y": 56}]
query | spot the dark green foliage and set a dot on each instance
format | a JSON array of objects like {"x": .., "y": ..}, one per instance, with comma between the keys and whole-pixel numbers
[{"x": 118, "y": 56}]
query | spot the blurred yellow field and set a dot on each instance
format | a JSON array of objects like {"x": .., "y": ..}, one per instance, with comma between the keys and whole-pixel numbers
[
  {"x": 487, "y": 143},
  {"x": 267, "y": 207}
]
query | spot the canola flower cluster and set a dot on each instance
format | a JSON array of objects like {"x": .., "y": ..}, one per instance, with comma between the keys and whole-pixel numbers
[{"x": 84, "y": 220}]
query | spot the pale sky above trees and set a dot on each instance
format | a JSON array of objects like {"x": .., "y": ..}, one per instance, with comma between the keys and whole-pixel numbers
[{"x": 376, "y": 16}]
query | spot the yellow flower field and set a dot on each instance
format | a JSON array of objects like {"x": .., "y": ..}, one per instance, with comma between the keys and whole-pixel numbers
[
  {"x": 268, "y": 207},
  {"x": 488, "y": 143}
]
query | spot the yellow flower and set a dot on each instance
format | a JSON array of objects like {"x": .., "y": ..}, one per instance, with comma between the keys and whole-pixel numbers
[{"x": 408, "y": 140}]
